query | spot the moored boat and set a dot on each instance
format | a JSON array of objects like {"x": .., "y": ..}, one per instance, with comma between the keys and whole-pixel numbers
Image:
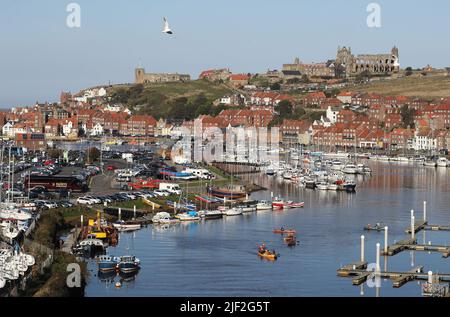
[
  {"x": 107, "y": 263},
  {"x": 128, "y": 264}
]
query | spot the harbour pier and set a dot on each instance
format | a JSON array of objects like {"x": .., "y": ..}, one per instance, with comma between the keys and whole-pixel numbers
[{"x": 361, "y": 272}]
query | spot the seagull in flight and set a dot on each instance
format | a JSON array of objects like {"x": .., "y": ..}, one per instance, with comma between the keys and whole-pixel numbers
[{"x": 166, "y": 29}]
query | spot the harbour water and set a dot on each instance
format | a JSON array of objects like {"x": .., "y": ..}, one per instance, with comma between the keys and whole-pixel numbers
[{"x": 218, "y": 257}]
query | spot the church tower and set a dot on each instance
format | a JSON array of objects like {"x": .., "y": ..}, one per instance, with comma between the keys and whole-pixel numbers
[{"x": 139, "y": 75}]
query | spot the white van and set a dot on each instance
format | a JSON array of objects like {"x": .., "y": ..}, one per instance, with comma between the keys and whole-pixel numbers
[
  {"x": 200, "y": 173},
  {"x": 172, "y": 188}
]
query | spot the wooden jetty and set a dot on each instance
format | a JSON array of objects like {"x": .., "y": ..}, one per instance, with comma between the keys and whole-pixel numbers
[
  {"x": 398, "y": 247},
  {"x": 398, "y": 278}
]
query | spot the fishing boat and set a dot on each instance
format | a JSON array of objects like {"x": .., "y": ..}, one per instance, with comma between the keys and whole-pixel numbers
[
  {"x": 210, "y": 214},
  {"x": 128, "y": 264},
  {"x": 336, "y": 166},
  {"x": 124, "y": 226},
  {"x": 233, "y": 212},
  {"x": 228, "y": 192},
  {"x": 107, "y": 263},
  {"x": 90, "y": 243},
  {"x": 15, "y": 214},
  {"x": 349, "y": 186},
  {"x": 263, "y": 205}
]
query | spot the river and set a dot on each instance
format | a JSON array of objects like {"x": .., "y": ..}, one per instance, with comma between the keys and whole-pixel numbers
[{"x": 218, "y": 257}]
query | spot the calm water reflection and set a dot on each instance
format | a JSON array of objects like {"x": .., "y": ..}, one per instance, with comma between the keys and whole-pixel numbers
[{"x": 218, "y": 257}]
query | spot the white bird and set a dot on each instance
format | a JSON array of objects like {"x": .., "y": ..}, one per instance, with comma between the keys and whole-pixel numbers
[{"x": 166, "y": 29}]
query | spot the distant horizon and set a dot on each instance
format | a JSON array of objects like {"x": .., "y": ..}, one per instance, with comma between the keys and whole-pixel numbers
[{"x": 42, "y": 56}]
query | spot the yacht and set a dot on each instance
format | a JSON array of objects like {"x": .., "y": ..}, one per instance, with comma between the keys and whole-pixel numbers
[
  {"x": 442, "y": 162},
  {"x": 430, "y": 163},
  {"x": 233, "y": 212},
  {"x": 350, "y": 169},
  {"x": 263, "y": 205},
  {"x": 336, "y": 166},
  {"x": 322, "y": 186}
]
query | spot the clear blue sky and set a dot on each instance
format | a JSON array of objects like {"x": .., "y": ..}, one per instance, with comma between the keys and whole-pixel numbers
[{"x": 40, "y": 56}]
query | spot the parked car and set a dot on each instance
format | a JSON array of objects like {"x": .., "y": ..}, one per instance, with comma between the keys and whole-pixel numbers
[{"x": 85, "y": 201}]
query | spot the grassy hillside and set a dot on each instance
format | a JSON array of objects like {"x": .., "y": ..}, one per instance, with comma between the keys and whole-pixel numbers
[
  {"x": 424, "y": 87},
  {"x": 176, "y": 100}
]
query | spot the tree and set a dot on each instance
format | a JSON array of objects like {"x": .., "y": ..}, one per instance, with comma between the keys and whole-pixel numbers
[
  {"x": 408, "y": 71},
  {"x": 275, "y": 86},
  {"x": 284, "y": 109},
  {"x": 93, "y": 154},
  {"x": 305, "y": 79},
  {"x": 299, "y": 113},
  {"x": 407, "y": 114}
]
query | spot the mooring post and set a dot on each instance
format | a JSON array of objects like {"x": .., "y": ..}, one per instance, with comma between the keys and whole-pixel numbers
[
  {"x": 134, "y": 211},
  {"x": 82, "y": 222},
  {"x": 424, "y": 210},
  {"x": 362, "y": 248},
  {"x": 120, "y": 213},
  {"x": 412, "y": 227},
  {"x": 430, "y": 277},
  {"x": 377, "y": 268},
  {"x": 386, "y": 240}
]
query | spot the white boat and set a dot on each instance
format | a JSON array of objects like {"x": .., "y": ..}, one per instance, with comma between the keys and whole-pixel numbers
[
  {"x": 331, "y": 186},
  {"x": 336, "y": 166},
  {"x": 442, "y": 162},
  {"x": 91, "y": 241},
  {"x": 187, "y": 217},
  {"x": 350, "y": 169},
  {"x": 402, "y": 159},
  {"x": 430, "y": 163},
  {"x": 167, "y": 220},
  {"x": 363, "y": 169},
  {"x": 263, "y": 205},
  {"x": 123, "y": 226},
  {"x": 233, "y": 212},
  {"x": 322, "y": 186},
  {"x": 160, "y": 215},
  {"x": 15, "y": 214},
  {"x": 210, "y": 214}
]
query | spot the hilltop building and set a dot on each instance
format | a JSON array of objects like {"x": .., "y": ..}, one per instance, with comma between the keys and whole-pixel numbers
[{"x": 141, "y": 77}]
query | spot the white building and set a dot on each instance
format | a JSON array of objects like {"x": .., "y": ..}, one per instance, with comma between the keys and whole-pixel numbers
[
  {"x": 7, "y": 129},
  {"x": 424, "y": 141},
  {"x": 97, "y": 129},
  {"x": 332, "y": 114}
]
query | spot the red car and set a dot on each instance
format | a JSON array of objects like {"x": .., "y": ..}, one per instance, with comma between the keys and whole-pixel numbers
[{"x": 111, "y": 167}]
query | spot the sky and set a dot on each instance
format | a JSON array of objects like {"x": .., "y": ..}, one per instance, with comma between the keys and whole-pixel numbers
[{"x": 40, "y": 56}]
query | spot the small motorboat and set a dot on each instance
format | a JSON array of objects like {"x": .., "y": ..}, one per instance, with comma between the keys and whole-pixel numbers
[
  {"x": 233, "y": 212},
  {"x": 128, "y": 264},
  {"x": 331, "y": 186},
  {"x": 377, "y": 227},
  {"x": 322, "y": 186},
  {"x": 210, "y": 214},
  {"x": 281, "y": 204},
  {"x": 124, "y": 226},
  {"x": 284, "y": 231},
  {"x": 188, "y": 217},
  {"x": 264, "y": 205}
]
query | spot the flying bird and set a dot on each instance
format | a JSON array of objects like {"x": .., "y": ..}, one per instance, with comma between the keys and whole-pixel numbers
[{"x": 166, "y": 29}]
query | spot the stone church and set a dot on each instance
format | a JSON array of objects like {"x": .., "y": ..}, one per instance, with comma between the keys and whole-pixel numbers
[{"x": 141, "y": 77}]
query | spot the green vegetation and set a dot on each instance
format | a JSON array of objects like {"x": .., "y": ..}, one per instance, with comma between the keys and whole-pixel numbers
[
  {"x": 407, "y": 114},
  {"x": 423, "y": 87},
  {"x": 53, "y": 281},
  {"x": 174, "y": 100}
]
